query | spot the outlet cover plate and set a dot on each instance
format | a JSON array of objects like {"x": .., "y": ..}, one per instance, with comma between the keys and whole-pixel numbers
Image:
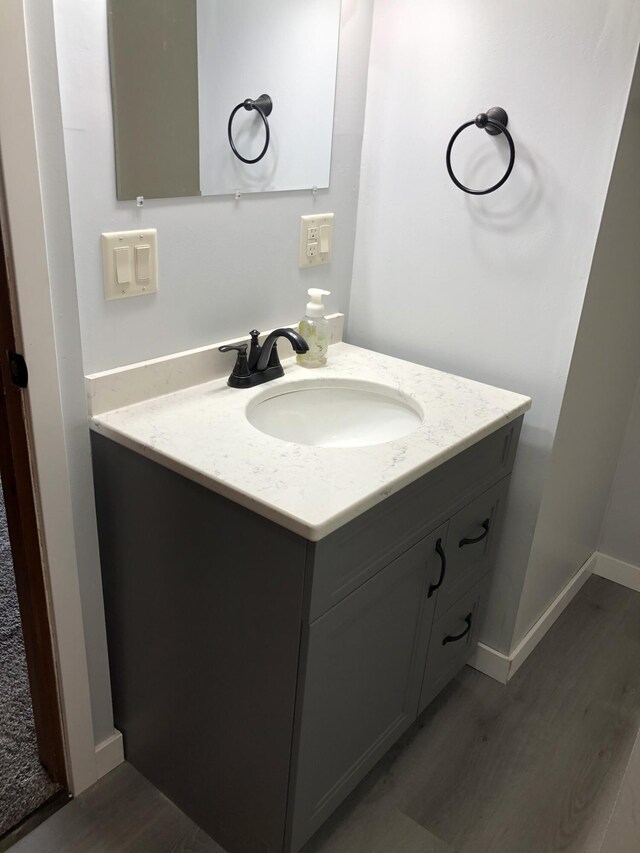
[
  {"x": 138, "y": 262},
  {"x": 316, "y": 234}
]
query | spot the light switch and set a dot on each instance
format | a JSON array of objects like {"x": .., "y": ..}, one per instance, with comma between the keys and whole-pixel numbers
[
  {"x": 325, "y": 236},
  {"x": 123, "y": 264},
  {"x": 143, "y": 263},
  {"x": 129, "y": 263},
  {"x": 316, "y": 239}
]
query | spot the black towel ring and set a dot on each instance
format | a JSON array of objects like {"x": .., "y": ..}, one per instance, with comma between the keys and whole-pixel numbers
[
  {"x": 494, "y": 121},
  {"x": 263, "y": 106}
]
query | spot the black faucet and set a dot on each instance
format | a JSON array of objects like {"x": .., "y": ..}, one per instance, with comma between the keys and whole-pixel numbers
[{"x": 262, "y": 364}]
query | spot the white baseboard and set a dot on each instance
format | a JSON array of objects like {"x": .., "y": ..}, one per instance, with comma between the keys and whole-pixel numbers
[
  {"x": 503, "y": 667},
  {"x": 617, "y": 571},
  {"x": 491, "y": 662},
  {"x": 109, "y": 753}
]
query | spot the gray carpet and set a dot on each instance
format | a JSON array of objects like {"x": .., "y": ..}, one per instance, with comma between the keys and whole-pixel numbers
[{"x": 24, "y": 784}]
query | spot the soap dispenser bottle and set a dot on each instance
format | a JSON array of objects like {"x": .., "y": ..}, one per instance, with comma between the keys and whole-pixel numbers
[{"x": 314, "y": 328}]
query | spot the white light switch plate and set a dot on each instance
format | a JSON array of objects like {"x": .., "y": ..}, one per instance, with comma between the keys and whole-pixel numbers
[
  {"x": 316, "y": 239},
  {"x": 130, "y": 263}
]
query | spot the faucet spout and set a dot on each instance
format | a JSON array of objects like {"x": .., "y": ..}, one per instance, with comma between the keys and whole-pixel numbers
[
  {"x": 297, "y": 342},
  {"x": 262, "y": 363}
]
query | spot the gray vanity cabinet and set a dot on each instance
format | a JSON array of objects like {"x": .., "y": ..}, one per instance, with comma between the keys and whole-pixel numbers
[{"x": 257, "y": 677}]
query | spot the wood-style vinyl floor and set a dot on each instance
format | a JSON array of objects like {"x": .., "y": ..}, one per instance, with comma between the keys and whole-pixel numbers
[{"x": 533, "y": 767}]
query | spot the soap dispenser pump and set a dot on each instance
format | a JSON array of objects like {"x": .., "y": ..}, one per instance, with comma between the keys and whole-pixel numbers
[{"x": 314, "y": 328}]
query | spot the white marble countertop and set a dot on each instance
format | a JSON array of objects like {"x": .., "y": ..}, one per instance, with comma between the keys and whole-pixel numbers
[{"x": 202, "y": 433}]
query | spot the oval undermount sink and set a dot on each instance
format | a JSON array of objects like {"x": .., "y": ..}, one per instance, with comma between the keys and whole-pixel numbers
[{"x": 348, "y": 414}]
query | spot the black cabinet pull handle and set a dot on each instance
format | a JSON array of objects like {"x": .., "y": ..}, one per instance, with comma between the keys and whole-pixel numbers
[
  {"x": 453, "y": 638},
  {"x": 443, "y": 568},
  {"x": 486, "y": 524}
]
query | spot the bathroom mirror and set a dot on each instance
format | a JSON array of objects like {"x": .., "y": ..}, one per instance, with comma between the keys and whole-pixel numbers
[{"x": 178, "y": 69}]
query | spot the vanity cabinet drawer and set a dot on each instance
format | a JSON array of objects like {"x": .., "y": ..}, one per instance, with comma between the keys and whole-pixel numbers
[
  {"x": 452, "y": 642},
  {"x": 345, "y": 559},
  {"x": 471, "y": 543},
  {"x": 362, "y": 682}
]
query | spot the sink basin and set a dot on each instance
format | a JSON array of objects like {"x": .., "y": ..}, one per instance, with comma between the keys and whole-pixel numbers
[{"x": 344, "y": 414}]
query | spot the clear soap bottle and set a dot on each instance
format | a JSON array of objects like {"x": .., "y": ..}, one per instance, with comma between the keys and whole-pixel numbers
[{"x": 314, "y": 328}]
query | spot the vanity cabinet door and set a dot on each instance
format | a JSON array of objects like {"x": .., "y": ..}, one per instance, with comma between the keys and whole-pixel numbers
[
  {"x": 454, "y": 637},
  {"x": 364, "y": 665},
  {"x": 471, "y": 543}
]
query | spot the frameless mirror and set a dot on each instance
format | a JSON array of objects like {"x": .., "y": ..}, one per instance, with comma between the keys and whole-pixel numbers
[{"x": 179, "y": 68}]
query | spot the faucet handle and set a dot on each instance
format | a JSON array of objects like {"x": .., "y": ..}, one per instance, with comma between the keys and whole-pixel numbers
[
  {"x": 240, "y": 370},
  {"x": 254, "y": 352}
]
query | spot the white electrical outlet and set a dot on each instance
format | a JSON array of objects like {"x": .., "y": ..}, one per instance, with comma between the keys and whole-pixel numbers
[
  {"x": 130, "y": 263},
  {"x": 316, "y": 239}
]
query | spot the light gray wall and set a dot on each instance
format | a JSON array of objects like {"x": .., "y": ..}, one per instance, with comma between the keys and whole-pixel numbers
[
  {"x": 598, "y": 398},
  {"x": 225, "y": 266},
  {"x": 490, "y": 287},
  {"x": 621, "y": 528},
  {"x": 46, "y": 99}
]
